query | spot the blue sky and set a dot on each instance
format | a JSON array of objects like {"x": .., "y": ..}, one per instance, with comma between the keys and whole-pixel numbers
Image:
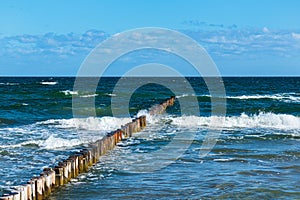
[{"x": 245, "y": 38}]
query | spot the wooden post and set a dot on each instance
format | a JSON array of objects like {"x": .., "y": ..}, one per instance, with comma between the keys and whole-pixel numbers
[
  {"x": 23, "y": 192},
  {"x": 102, "y": 147},
  {"x": 19, "y": 192},
  {"x": 65, "y": 171},
  {"x": 49, "y": 175},
  {"x": 93, "y": 149},
  {"x": 74, "y": 160},
  {"x": 80, "y": 163},
  {"x": 85, "y": 159},
  {"x": 15, "y": 195},
  {"x": 39, "y": 188},
  {"x": 90, "y": 154},
  {"x": 119, "y": 131},
  {"x": 46, "y": 183},
  {"x": 8, "y": 196},
  {"x": 59, "y": 176},
  {"x": 69, "y": 167},
  {"x": 32, "y": 188},
  {"x": 133, "y": 123},
  {"x": 72, "y": 170},
  {"x": 29, "y": 191},
  {"x": 139, "y": 124},
  {"x": 111, "y": 141},
  {"x": 130, "y": 129},
  {"x": 116, "y": 138}
]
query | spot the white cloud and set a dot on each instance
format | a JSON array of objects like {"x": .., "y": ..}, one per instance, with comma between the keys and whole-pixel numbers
[
  {"x": 296, "y": 36},
  {"x": 220, "y": 42},
  {"x": 266, "y": 30}
]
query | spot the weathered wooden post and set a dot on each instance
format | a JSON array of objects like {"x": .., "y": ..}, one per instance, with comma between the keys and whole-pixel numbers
[
  {"x": 74, "y": 159},
  {"x": 130, "y": 129},
  {"x": 49, "y": 175},
  {"x": 32, "y": 188},
  {"x": 15, "y": 195},
  {"x": 85, "y": 159},
  {"x": 39, "y": 188},
  {"x": 72, "y": 171},
  {"x": 64, "y": 166},
  {"x": 59, "y": 176},
  {"x": 93, "y": 149},
  {"x": 29, "y": 191},
  {"x": 80, "y": 163}
]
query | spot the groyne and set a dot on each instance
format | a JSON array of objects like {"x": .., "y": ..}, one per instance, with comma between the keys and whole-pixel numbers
[{"x": 40, "y": 187}]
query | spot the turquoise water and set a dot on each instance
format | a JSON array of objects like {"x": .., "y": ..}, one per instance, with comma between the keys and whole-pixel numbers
[{"x": 256, "y": 155}]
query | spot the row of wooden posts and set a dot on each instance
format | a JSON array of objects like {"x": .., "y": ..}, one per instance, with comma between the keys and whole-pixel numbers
[{"x": 40, "y": 187}]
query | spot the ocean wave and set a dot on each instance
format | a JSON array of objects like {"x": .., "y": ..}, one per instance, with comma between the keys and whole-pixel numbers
[
  {"x": 48, "y": 82},
  {"x": 56, "y": 142},
  {"x": 110, "y": 94},
  {"x": 89, "y": 95},
  {"x": 69, "y": 92},
  {"x": 67, "y": 132},
  {"x": 83, "y": 95},
  {"x": 261, "y": 120},
  {"x": 285, "y": 97},
  {"x": 51, "y": 142},
  {"x": 184, "y": 95},
  {"x": 151, "y": 119},
  {"x": 90, "y": 123},
  {"x": 26, "y": 143},
  {"x": 9, "y": 83}
]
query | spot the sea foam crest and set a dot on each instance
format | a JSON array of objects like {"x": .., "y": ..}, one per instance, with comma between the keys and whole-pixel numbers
[
  {"x": 285, "y": 97},
  {"x": 90, "y": 123},
  {"x": 56, "y": 142},
  {"x": 261, "y": 120},
  {"x": 52, "y": 142},
  {"x": 48, "y": 82},
  {"x": 69, "y": 92}
]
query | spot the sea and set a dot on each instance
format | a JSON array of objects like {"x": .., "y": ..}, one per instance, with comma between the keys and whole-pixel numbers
[{"x": 256, "y": 152}]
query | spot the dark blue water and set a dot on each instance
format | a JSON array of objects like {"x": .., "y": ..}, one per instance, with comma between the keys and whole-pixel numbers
[{"x": 256, "y": 155}]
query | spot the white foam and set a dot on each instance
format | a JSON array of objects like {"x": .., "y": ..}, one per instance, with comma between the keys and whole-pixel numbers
[
  {"x": 89, "y": 95},
  {"x": 69, "y": 92},
  {"x": 55, "y": 142},
  {"x": 35, "y": 142},
  {"x": 50, "y": 143},
  {"x": 188, "y": 95},
  {"x": 9, "y": 84},
  {"x": 150, "y": 118},
  {"x": 110, "y": 94},
  {"x": 90, "y": 123},
  {"x": 286, "y": 97},
  {"x": 261, "y": 120},
  {"x": 48, "y": 83},
  {"x": 181, "y": 96},
  {"x": 226, "y": 159}
]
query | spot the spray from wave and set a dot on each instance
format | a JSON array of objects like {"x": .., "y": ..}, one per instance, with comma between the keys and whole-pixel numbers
[
  {"x": 90, "y": 123},
  {"x": 260, "y": 120},
  {"x": 285, "y": 97}
]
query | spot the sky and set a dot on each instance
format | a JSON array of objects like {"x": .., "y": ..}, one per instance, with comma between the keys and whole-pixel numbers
[{"x": 244, "y": 38}]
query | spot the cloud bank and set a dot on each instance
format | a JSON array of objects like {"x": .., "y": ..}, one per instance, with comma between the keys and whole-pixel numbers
[{"x": 62, "y": 54}]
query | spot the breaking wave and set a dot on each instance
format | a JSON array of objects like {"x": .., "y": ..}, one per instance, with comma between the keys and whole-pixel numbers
[{"x": 261, "y": 120}]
